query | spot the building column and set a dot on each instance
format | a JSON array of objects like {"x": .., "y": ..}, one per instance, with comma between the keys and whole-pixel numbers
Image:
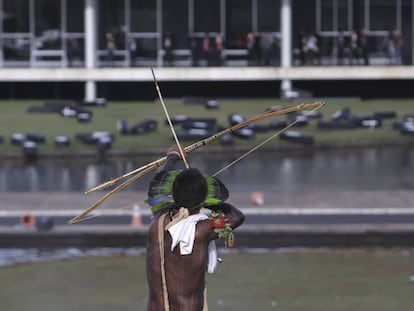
[
  {"x": 286, "y": 37},
  {"x": 90, "y": 46},
  {"x": 412, "y": 32}
]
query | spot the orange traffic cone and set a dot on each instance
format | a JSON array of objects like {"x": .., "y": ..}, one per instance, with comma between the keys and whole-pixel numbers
[
  {"x": 27, "y": 220},
  {"x": 136, "y": 217}
]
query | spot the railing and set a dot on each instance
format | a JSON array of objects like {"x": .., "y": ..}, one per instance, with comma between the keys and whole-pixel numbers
[
  {"x": 180, "y": 57},
  {"x": 120, "y": 58},
  {"x": 48, "y": 58},
  {"x": 235, "y": 57}
]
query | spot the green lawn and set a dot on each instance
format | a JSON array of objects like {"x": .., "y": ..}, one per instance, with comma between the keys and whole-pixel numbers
[
  {"x": 14, "y": 118},
  {"x": 331, "y": 280}
]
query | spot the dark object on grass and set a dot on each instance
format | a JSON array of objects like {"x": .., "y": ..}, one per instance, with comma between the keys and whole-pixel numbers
[
  {"x": 92, "y": 138},
  {"x": 260, "y": 128},
  {"x": 48, "y": 107},
  {"x": 235, "y": 118},
  {"x": 176, "y": 120},
  {"x": 37, "y": 138},
  {"x": 84, "y": 117},
  {"x": 246, "y": 132},
  {"x": 17, "y": 139},
  {"x": 86, "y": 138},
  {"x": 277, "y": 124},
  {"x": 199, "y": 123},
  {"x": 368, "y": 121},
  {"x": 408, "y": 118},
  {"x": 70, "y": 111},
  {"x": 56, "y": 106},
  {"x": 122, "y": 127},
  {"x": 407, "y": 128},
  {"x": 62, "y": 141},
  {"x": 211, "y": 104},
  {"x": 226, "y": 140},
  {"x": 342, "y": 114},
  {"x": 300, "y": 120},
  {"x": 193, "y": 134},
  {"x": 296, "y": 137},
  {"x": 145, "y": 126}
]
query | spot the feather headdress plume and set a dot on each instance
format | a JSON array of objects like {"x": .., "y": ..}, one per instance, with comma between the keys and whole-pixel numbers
[{"x": 160, "y": 190}]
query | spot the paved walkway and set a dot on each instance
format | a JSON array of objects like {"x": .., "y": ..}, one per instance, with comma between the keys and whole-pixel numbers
[
  {"x": 32, "y": 201},
  {"x": 258, "y": 236}
]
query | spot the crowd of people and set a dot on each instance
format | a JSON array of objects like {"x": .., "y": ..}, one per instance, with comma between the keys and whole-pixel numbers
[
  {"x": 356, "y": 47},
  {"x": 260, "y": 49},
  {"x": 350, "y": 48}
]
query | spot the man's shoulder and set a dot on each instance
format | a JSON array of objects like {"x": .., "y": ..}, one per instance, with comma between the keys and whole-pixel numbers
[{"x": 204, "y": 228}]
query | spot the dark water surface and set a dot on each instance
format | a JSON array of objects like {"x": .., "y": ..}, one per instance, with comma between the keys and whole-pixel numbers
[{"x": 369, "y": 168}]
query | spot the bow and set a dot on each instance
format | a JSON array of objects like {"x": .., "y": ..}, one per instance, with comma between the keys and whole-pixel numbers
[{"x": 145, "y": 169}]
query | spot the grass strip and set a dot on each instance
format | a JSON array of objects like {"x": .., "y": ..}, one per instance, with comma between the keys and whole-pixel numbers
[
  {"x": 318, "y": 279},
  {"x": 15, "y": 119}
]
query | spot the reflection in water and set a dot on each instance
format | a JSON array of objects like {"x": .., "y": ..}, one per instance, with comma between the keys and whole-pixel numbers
[
  {"x": 91, "y": 176},
  {"x": 282, "y": 171}
]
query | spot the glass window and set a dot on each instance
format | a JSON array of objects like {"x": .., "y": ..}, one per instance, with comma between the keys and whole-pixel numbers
[
  {"x": 268, "y": 15},
  {"x": 327, "y": 13},
  {"x": 383, "y": 15},
  {"x": 143, "y": 16},
  {"x": 343, "y": 23},
  {"x": 16, "y": 30},
  {"x": 207, "y": 16},
  {"x": 238, "y": 22},
  {"x": 303, "y": 18},
  {"x": 358, "y": 14},
  {"x": 111, "y": 16},
  {"x": 16, "y": 16},
  {"x": 75, "y": 16},
  {"x": 334, "y": 11},
  {"x": 74, "y": 32},
  {"x": 145, "y": 48},
  {"x": 47, "y": 25},
  {"x": 175, "y": 22}
]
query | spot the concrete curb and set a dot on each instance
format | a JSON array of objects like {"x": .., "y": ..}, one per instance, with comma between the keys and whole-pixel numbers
[{"x": 247, "y": 236}]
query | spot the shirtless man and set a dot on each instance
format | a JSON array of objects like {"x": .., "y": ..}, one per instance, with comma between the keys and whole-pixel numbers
[{"x": 181, "y": 286}]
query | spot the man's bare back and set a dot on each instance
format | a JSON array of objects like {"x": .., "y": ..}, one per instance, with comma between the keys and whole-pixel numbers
[{"x": 185, "y": 274}]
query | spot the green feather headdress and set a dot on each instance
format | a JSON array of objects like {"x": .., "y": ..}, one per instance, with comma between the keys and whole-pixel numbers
[{"x": 160, "y": 190}]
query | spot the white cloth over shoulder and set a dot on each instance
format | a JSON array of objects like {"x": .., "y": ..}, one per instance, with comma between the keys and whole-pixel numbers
[{"x": 183, "y": 233}]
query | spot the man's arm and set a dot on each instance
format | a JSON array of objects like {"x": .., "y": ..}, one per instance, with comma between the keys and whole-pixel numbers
[
  {"x": 173, "y": 155},
  {"x": 234, "y": 217}
]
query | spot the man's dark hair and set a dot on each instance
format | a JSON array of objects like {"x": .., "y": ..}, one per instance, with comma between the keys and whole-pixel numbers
[{"x": 189, "y": 189}]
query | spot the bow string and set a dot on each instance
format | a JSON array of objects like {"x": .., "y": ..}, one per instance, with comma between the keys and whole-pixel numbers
[{"x": 145, "y": 169}]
